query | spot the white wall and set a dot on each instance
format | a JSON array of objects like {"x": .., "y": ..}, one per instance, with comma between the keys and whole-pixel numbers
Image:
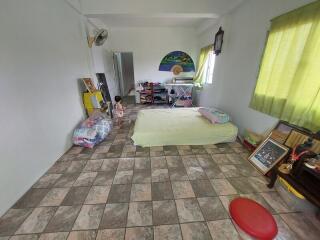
[
  {"x": 42, "y": 54},
  {"x": 237, "y": 67},
  {"x": 149, "y": 46}
]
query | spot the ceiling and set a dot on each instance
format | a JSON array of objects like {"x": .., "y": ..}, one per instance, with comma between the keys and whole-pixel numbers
[
  {"x": 121, "y": 20},
  {"x": 155, "y": 13}
]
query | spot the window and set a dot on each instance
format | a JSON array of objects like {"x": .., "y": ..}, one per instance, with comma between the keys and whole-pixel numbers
[
  {"x": 205, "y": 66},
  {"x": 288, "y": 85},
  {"x": 209, "y": 68}
]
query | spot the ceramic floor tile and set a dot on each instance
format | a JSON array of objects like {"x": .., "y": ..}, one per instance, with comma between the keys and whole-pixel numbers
[
  {"x": 85, "y": 179},
  {"x": 140, "y": 214},
  {"x": 123, "y": 177},
  {"x": 142, "y": 163},
  {"x": 129, "y": 193},
  {"x": 25, "y": 237},
  {"x": 161, "y": 191},
  {"x": 188, "y": 210},
  {"x": 195, "y": 231},
  {"x": 235, "y": 158},
  {"x": 203, "y": 188},
  {"x": 10, "y": 222},
  {"x": 160, "y": 175},
  {"x": 126, "y": 164},
  {"x": 284, "y": 232},
  {"x": 247, "y": 170},
  {"x": 111, "y": 234},
  {"x": 139, "y": 233},
  {"x": 223, "y": 229},
  {"x": 174, "y": 162},
  {"x": 156, "y": 149},
  {"x": 114, "y": 216},
  {"x": 59, "y": 167},
  {"x": 104, "y": 178},
  {"x": 301, "y": 226},
  {"x": 158, "y": 162},
  {"x": 195, "y": 173},
  {"x": 212, "y": 150},
  {"x": 89, "y": 217},
  {"x": 230, "y": 171},
  {"x": 227, "y": 199},
  {"x": 190, "y": 161},
  {"x": 167, "y": 232},
  {"x": 119, "y": 193},
  {"x": 76, "y": 195},
  {"x": 212, "y": 208},
  {"x": 206, "y": 161},
  {"x": 221, "y": 159},
  {"x": 54, "y": 236},
  {"x": 223, "y": 187},
  {"x": 54, "y": 197},
  {"x": 37, "y": 220},
  {"x": 47, "y": 181},
  {"x": 260, "y": 184},
  {"x": 97, "y": 195},
  {"x": 182, "y": 189},
  {"x": 214, "y": 173},
  {"x": 141, "y": 192},
  {"x": 164, "y": 212},
  {"x": 178, "y": 174},
  {"x": 63, "y": 219},
  {"x": 93, "y": 166},
  {"x": 157, "y": 154},
  {"x": 99, "y": 156},
  {"x": 109, "y": 165},
  {"x": 67, "y": 180},
  {"x": 276, "y": 202},
  {"x": 141, "y": 176},
  {"x": 82, "y": 235}
]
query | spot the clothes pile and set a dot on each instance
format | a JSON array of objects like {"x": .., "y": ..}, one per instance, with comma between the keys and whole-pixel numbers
[{"x": 92, "y": 131}]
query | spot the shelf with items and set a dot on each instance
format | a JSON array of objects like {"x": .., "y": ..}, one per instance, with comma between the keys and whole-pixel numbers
[{"x": 152, "y": 93}]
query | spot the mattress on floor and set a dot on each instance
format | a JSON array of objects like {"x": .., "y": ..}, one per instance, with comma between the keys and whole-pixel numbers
[{"x": 179, "y": 126}]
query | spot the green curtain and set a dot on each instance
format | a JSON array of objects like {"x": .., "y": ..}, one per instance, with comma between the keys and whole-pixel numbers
[
  {"x": 201, "y": 67},
  {"x": 288, "y": 85}
]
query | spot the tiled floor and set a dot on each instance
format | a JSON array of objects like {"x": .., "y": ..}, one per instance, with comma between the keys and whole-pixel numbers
[{"x": 119, "y": 191}]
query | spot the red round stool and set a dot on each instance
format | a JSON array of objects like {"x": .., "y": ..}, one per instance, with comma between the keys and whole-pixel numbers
[{"x": 253, "y": 219}]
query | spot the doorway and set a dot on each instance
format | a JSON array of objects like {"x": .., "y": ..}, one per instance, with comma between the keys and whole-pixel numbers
[{"x": 124, "y": 72}]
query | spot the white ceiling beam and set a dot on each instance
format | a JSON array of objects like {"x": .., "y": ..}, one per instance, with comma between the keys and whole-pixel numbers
[
  {"x": 156, "y": 6},
  {"x": 159, "y": 15}
]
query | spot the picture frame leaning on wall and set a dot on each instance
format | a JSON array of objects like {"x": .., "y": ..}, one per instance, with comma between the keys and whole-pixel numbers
[{"x": 267, "y": 155}]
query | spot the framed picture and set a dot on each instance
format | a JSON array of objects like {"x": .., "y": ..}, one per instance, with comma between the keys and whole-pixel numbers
[
  {"x": 267, "y": 155},
  {"x": 89, "y": 84}
]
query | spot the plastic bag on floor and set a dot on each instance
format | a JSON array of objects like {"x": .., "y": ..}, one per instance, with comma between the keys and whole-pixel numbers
[{"x": 92, "y": 131}]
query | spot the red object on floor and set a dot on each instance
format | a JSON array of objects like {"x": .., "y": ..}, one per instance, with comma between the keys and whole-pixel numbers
[{"x": 253, "y": 218}]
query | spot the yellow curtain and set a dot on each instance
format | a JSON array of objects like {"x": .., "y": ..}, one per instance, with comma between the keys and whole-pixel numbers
[
  {"x": 201, "y": 67},
  {"x": 288, "y": 85}
]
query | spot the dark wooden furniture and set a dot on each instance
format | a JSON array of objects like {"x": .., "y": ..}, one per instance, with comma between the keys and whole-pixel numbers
[{"x": 301, "y": 178}]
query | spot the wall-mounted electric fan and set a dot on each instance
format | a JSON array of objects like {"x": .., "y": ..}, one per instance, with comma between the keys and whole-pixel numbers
[{"x": 99, "y": 38}]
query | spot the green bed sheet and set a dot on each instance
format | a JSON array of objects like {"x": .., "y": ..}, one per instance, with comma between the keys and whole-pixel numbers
[{"x": 179, "y": 126}]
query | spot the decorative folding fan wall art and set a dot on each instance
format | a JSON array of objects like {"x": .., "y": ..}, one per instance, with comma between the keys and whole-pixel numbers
[{"x": 177, "y": 62}]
